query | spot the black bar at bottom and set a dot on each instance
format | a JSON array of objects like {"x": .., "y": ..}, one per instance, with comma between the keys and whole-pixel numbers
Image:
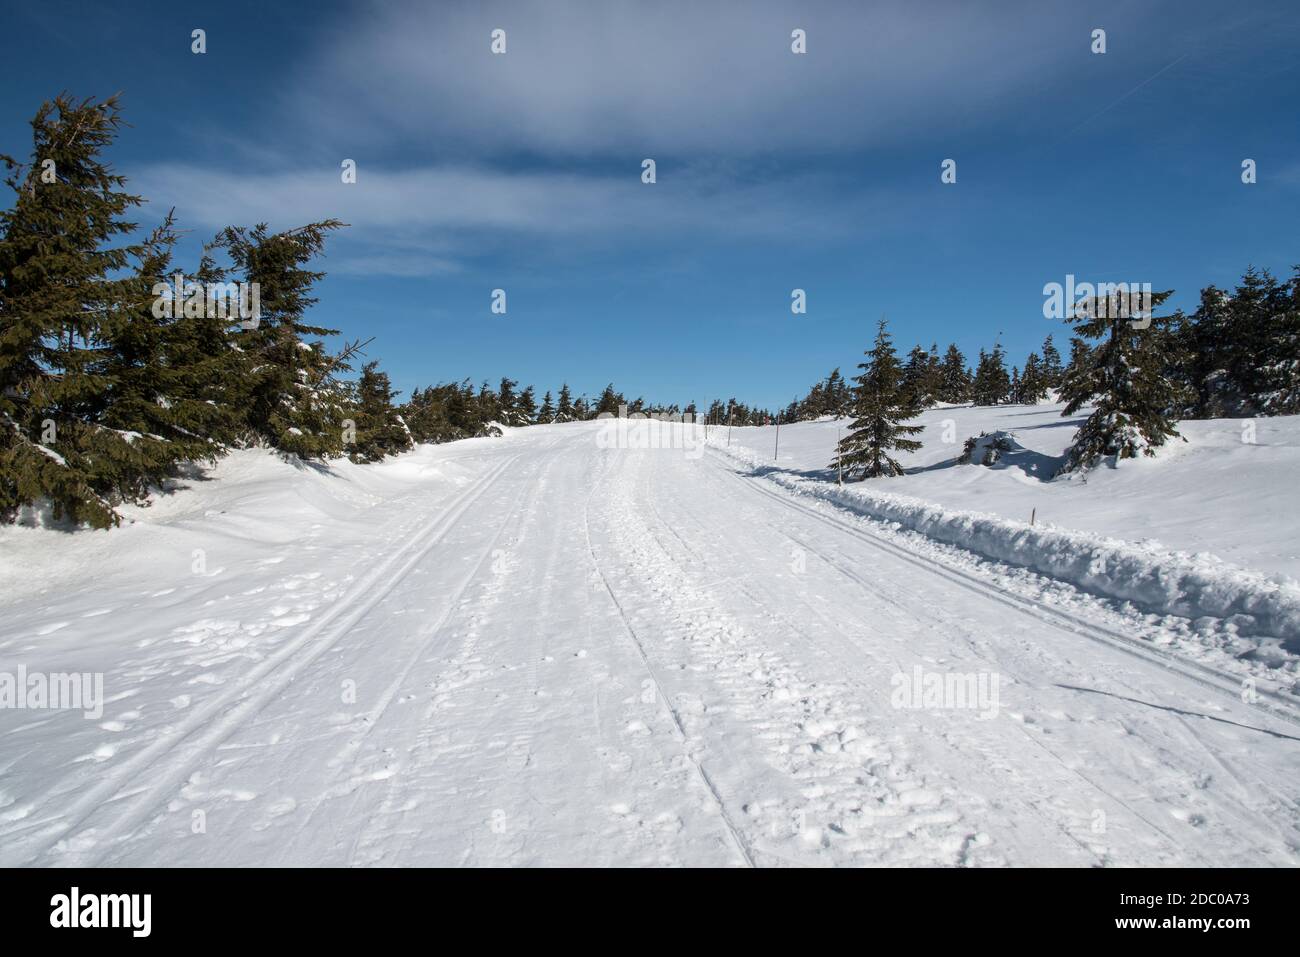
[{"x": 333, "y": 908}]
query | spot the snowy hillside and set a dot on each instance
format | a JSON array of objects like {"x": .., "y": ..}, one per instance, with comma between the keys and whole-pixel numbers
[{"x": 1215, "y": 493}]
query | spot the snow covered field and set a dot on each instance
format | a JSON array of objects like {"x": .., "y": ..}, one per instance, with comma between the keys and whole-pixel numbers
[
  {"x": 541, "y": 650},
  {"x": 1214, "y": 493}
]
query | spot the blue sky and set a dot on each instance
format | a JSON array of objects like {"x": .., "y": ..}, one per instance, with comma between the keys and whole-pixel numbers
[{"x": 775, "y": 171}]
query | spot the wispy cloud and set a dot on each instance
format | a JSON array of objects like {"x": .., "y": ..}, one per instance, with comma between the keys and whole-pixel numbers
[
  {"x": 546, "y": 141},
  {"x": 594, "y": 78},
  {"x": 418, "y": 216}
]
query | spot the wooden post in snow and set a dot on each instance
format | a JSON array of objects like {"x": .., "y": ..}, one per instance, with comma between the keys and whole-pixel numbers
[
  {"x": 839, "y": 465},
  {"x": 776, "y": 451}
]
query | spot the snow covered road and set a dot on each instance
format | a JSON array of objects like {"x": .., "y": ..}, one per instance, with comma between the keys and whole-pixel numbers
[{"x": 585, "y": 656}]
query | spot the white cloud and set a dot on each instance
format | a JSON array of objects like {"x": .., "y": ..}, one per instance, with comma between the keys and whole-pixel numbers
[
  {"x": 469, "y": 199},
  {"x": 461, "y": 152},
  {"x": 611, "y": 77}
]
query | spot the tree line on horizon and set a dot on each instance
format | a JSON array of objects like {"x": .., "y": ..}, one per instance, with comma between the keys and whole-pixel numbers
[
  {"x": 1237, "y": 355},
  {"x": 928, "y": 378}
]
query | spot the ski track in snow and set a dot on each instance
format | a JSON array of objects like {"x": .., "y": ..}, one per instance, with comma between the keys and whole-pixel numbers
[{"x": 618, "y": 657}]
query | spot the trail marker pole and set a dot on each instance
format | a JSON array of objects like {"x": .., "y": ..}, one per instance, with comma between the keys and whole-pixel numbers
[
  {"x": 729, "y": 415},
  {"x": 839, "y": 464},
  {"x": 776, "y": 450}
]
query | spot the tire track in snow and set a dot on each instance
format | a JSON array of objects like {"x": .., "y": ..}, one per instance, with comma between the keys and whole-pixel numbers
[
  {"x": 220, "y": 717},
  {"x": 813, "y": 774},
  {"x": 523, "y": 507},
  {"x": 1053, "y": 821},
  {"x": 873, "y": 589},
  {"x": 372, "y": 718},
  {"x": 741, "y": 845},
  {"x": 1275, "y": 704},
  {"x": 1057, "y": 618},
  {"x": 1174, "y": 844}
]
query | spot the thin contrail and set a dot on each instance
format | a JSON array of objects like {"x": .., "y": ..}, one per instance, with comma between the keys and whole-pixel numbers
[{"x": 1130, "y": 92}]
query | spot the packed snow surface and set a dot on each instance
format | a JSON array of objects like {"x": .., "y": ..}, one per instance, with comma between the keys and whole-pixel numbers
[{"x": 541, "y": 649}]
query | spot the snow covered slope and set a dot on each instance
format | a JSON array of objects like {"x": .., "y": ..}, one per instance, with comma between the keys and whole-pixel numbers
[
  {"x": 1215, "y": 493},
  {"x": 542, "y": 650}
]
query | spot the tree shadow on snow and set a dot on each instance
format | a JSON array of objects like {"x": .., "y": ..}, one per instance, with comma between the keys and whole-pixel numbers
[{"x": 1179, "y": 711}]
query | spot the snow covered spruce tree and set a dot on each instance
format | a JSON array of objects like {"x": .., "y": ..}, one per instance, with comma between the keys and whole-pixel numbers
[
  {"x": 1240, "y": 352},
  {"x": 609, "y": 401},
  {"x": 1124, "y": 377},
  {"x": 954, "y": 379},
  {"x": 1051, "y": 368},
  {"x": 288, "y": 395},
  {"x": 564, "y": 411},
  {"x": 547, "y": 412},
  {"x": 1032, "y": 385},
  {"x": 839, "y": 394},
  {"x": 880, "y": 407},
  {"x": 991, "y": 385},
  {"x": 379, "y": 427},
  {"x": 526, "y": 406},
  {"x": 922, "y": 378},
  {"x": 507, "y": 401},
  {"x": 161, "y": 391},
  {"x": 1282, "y": 367},
  {"x": 91, "y": 412},
  {"x": 201, "y": 355}
]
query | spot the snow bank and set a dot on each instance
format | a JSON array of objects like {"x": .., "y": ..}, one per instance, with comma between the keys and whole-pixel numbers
[
  {"x": 1229, "y": 489},
  {"x": 250, "y": 505},
  {"x": 1150, "y": 577}
]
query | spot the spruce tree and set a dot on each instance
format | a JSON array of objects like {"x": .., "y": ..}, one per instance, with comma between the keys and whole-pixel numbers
[
  {"x": 464, "y": 412},
  {"x": 954, "y": 379},
  {"x": 1051, "y": 365},
  {"x": 507, "y": 402},
  {"x": 839, "y": 396},
  {"x": 547, "y": 412},
  {"x": 920, "y": 380},
  {"x": 1282, "y": 368},
  {"x": 159, "y": 396},
  {"x": 564, "y": 411},
  {"x": 423, "y": 414},
  {"x": 380, "y": 429},
  {"x": 200, "y": 350},
  {"x": 68, "y": 300},
  {"x": 526, "y": 406},
  {"x": 290, "y": 398},
  {"x": 1205, "y": 342},
  {"x": 1241, "y": 351},
  {"x": 1124, "y": 377},
  {"x": 1033, "y": 382},
  {"x": 999, "y": 381},
  {"x": 1080, "y": 356},
  {"x": 880, "y": 409},
  {"x": 1249, "y": 348},
  {"x": 813, "y": 403},
  {"x": 992, "y": 385},
  {"x": 979, "y": 381},
  {"x": 609, "y": 401}
]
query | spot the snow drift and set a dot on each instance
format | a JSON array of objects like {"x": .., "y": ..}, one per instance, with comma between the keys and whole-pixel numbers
[{"x": 1149, "y": 576}]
